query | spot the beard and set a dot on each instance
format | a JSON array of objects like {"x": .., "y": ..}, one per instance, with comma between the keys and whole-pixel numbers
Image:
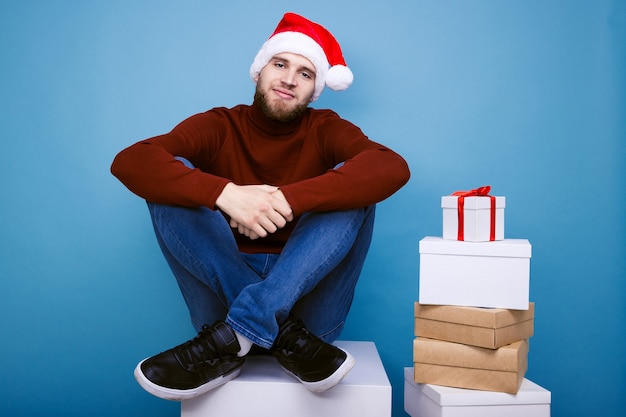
[{"x": 276, "y": 111}]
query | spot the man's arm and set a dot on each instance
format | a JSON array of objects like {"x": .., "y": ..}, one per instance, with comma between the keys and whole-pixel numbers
[{"x": 151, "y": 170}]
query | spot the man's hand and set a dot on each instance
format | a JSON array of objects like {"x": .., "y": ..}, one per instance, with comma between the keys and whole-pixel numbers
[{"x": 255, "y": 210}]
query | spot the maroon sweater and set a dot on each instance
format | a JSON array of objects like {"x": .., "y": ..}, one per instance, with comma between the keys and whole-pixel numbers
[{"x": 240, "y": 145}]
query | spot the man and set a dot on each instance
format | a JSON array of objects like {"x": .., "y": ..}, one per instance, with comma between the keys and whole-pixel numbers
[{"x": 264, "y": 213}]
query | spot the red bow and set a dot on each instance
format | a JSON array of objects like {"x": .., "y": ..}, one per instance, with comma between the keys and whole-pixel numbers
[{"x": 477, "y": 192}]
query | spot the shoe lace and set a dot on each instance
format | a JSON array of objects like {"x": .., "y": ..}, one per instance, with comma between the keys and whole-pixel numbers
[
  {"x": 199, "y": 351},
  {"x": 299, "y": 340}
]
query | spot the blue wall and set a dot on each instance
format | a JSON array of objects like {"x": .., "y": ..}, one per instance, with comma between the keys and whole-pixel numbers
[{"x": 527, "y": 96}]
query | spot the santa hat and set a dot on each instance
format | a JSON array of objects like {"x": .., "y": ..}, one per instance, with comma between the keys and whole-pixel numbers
[{"x": 301, "y": 36}]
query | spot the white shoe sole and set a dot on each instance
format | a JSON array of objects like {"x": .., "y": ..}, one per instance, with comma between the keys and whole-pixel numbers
[
  {"x": 177, "y": 394},
  {"x": 332, "y": 380}
]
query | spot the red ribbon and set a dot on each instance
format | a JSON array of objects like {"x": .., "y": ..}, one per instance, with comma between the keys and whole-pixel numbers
[{"x": 478, "y": 192}]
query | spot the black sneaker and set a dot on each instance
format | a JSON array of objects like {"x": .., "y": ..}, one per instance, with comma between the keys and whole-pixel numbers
[
  {"x": 193, "y": 368},
  {"x": 317, "y": 364}
]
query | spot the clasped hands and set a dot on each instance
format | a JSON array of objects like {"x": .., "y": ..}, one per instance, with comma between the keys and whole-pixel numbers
[{"x": 255, "y": 210}]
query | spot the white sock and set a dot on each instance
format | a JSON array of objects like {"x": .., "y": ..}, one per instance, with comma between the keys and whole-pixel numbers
[{"x": 244, "y": 343}]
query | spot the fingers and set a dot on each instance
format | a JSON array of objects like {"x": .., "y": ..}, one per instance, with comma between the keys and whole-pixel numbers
[
  {"x": 269, "y": 222},
  {"x": 245, "y": 231},
  {"x": 272, "y": 213},
  {"x": 279, "y": 211},
  {"x": 255, "y": 210},
  {"x": 283, "y": 206}
]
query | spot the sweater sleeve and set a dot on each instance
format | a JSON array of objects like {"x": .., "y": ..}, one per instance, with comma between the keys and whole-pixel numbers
[
  {"x": 150, "y": 170},
  {"x": 370, "y": 172}
]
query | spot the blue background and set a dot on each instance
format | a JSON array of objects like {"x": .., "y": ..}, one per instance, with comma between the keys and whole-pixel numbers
[{"x": 526, "y": 96}]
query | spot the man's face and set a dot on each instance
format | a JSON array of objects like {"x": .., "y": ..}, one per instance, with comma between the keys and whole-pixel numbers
[{"x": 285, "y": 86}]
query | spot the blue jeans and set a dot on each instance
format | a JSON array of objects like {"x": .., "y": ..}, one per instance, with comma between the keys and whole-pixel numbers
[{"x": 313, "y": 278}]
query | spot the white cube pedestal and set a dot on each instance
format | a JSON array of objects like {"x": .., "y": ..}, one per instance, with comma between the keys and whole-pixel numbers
[
  {"x": 264, "y": 389},
  {"x": 427, "y": 400}
]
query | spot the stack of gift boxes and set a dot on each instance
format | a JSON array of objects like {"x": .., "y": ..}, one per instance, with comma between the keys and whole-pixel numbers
[{"x": 474, "y": 318}]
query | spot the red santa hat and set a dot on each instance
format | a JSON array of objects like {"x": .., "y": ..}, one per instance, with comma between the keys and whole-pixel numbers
[{"x": 301, "y": 36}]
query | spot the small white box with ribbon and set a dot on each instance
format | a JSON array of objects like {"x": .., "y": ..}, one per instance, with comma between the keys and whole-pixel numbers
[{"x": 473, "y": 216}]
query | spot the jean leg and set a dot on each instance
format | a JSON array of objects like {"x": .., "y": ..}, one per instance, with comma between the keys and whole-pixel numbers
[
  {"x": 325, "y": 308},
  {"x": 204, "y": 306},
  {"x": 201, "y": 251},
  {"x": 323, "y": 259}
]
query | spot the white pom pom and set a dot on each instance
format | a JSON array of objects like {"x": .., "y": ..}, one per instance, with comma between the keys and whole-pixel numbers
[{"x": 339, "y": 77}]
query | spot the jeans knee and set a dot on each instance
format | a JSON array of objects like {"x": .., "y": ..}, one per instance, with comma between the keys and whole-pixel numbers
[{"x": 184, "y": 161}]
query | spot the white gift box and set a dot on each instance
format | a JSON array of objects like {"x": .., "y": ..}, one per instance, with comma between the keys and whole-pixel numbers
[
  {"x": 264, "y": 389},
  {"x": 476, "y": 218},
  {"x": 427, "y": 400},
  {"x": 475, "y": 274}
]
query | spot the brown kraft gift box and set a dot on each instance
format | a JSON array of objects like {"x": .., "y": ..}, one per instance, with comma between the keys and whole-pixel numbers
[
  {"x": 461, "y": 366},
  {"x": 484, "y": 327}
]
